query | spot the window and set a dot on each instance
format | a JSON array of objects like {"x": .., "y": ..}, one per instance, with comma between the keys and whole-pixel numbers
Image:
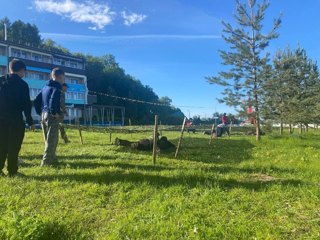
[
  {"x": 36, "y": 57},
  {"x": 74, "y": 80},
  {"x": 80, "y": 66},
  {"x": 57, "y": 61},
  {"x": 37, "y": 75},
  {"x": 3, "y": 51},
  {"x": 24, "y": 54},
  {"x": 75, "y": 96},
  {"x": 68, "y": 95},
  {"x": 46, "y": 59},
  {"x": 69, "y": 112},
  {"x": 73, "y": 65},
  {"x": 80, "y": 96},
  {"x": 3, "y": 70},
  {"x": 79, "y": 113},
  {"x": 16, "y": 53}
]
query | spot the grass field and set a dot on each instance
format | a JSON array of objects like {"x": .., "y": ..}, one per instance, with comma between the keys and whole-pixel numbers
[{"x": 234, "y": 189}]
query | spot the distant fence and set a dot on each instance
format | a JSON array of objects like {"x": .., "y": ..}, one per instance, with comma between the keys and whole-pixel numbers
[{"x": 236, "y": 130}]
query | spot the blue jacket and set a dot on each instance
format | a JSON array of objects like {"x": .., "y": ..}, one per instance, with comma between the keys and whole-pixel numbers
[{"x": 51, "y": 94}]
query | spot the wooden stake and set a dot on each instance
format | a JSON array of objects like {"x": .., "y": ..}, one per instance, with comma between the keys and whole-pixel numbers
[
  {"x": 80, "y": 133},
  {"x": 181, "y": 136},
  {"x": 155, "y": 139},
  {"x": 110, "y": 136},
  {"x": 212, "y": 129}
]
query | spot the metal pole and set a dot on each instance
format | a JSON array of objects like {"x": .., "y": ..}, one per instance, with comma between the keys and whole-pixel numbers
[{"x": 5, "y": 32}]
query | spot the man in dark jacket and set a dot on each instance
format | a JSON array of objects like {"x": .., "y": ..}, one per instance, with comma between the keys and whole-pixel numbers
[
  {"x": 51, "y": 115},
  {"x": 14, "y": 99}
]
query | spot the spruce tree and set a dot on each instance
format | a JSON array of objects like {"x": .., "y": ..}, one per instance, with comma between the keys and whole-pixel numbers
[
  {"x": 291, "y": 92},
  {"x": 247, "y": 57}
]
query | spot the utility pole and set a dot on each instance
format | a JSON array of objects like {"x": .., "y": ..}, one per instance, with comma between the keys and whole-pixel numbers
[{"x": 5, "y": 32}]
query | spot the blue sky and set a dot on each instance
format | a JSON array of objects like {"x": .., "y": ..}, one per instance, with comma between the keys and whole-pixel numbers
[{"x": 170, "y": 45}]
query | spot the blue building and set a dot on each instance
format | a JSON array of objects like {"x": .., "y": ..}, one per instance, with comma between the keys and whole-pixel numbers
[{"x": 39, "y": 65}]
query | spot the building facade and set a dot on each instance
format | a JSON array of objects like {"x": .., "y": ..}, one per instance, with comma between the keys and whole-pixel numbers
[{"x": 39, "y": 65}]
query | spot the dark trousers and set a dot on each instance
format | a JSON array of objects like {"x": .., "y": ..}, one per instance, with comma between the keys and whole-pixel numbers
[{"x": 11, "y": 138}]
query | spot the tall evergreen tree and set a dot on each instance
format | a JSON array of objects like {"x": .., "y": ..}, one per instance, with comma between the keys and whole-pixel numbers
[
  {"x": 247, "y": 57},
  {"x": 277, "y": 92},
  {"x": 291, "y": 93}
]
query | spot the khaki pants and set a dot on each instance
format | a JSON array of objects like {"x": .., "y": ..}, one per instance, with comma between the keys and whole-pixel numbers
[{"x": 50, "y": 126}]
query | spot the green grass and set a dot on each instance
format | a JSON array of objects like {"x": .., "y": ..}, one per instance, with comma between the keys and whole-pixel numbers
[{"x": 234, "y": 189}]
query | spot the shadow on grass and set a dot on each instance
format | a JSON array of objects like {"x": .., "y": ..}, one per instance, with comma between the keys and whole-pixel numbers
[
  {"x": 126, "y": 166},
  {"x": 88, "y": 157},
  {"x": 249, "y": 170},
  {"x": 73, "y": 161},
  {"x": 189, "y": 181}
]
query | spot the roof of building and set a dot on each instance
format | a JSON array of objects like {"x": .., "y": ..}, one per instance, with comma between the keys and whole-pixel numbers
[{"x": 54, "y": 53}]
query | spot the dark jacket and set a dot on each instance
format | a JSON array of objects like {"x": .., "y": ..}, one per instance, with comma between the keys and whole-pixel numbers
[
  {"x": 51, "y": 94},
  {"x": 14, "y": 99}
]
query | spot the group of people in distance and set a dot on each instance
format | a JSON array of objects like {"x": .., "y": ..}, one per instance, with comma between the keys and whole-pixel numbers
[{"x": 15, "y": 101}]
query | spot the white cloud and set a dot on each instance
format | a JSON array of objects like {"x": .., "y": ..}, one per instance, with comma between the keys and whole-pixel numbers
[
  {"x": 132, "y": 18},
  {"x": 99, "y": 15}
]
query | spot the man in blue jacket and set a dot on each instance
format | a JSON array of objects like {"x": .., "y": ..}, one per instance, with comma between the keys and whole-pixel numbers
[
  {"x": 51, "y": 115},
  {"x": 14, "y": 100}
]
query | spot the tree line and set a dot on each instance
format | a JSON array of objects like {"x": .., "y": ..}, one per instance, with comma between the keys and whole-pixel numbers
[
  {"x": 283, "y": 88},
  {"x": 104, "y": 75}
]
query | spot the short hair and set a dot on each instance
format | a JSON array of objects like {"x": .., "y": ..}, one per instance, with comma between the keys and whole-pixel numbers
[
  {"x": 56, "y": 72},
  {"x": 17, "y": 65}
]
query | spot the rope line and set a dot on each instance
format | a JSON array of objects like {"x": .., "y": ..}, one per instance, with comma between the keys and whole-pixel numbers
[{"x": 140, "y": 101}]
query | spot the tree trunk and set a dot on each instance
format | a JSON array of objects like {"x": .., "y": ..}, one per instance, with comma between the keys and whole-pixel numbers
[
  {"x": 290, "y": 128},
  {"x": 307, "y": 127},
  {"x": 281, "y": 127},
  {"x": 300, "y": 128},
  {"x": 258, "y": 137}
]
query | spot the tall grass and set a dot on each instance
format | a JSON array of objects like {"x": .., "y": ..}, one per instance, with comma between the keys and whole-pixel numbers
[{"x": 234, "y": 189}]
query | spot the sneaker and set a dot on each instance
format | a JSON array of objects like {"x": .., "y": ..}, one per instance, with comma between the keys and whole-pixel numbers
[
  {"x": 53, "y": 164},
  {"x": 45, "y": 164}
]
